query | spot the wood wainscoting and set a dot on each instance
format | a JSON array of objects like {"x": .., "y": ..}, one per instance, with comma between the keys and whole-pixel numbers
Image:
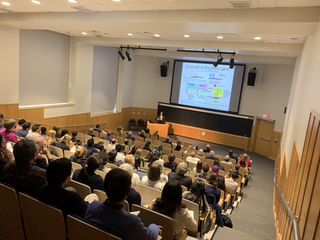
[{"x": 300, "y": 186}]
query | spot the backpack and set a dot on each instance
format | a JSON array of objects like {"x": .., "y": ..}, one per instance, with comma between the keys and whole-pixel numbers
[{"x": 227, "y": 221}]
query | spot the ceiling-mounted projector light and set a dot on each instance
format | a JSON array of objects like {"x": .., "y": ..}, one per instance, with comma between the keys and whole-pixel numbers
[
  {"x": 121, "y": 55},
  {"x": 232, "y": 62},
  {"x": 220, "y": 59},
  {"x": 128, "y": 56}
]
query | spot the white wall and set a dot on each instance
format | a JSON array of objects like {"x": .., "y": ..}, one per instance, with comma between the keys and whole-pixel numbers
[
  {"x": 127, "y": 82},
  {"x": 304, "y": 94},
  {"x": 9, "y": 65}
]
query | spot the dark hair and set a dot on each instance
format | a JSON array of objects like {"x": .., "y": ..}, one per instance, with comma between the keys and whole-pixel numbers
[
  {"x": 104, "y": 157},
  {"x": 43, "y": 130},
  {"x": 118, "y": 147},
  {"x": 154, "y": 172},
  {"x": 1, "y": 115},
  {"x": 21, "y": 121},
  {"x": 147, "y": 130},
  {"x": 147, "y": 144},
  {"x": 212, "y": 178},
  {"x": 35, "y": 127},
  {"x": 205, "y": 168},
  {"x": 126, "y": 140},
  {"x": 112, "y": 155},
  {"x": 26, "y": 125},
  {"x": 58, "y": 171},
  {"x": 220, "y": 183},
  {"x": 178, "y": 147},
  {"x": 92, "y": 164},
  {"x": 98, "y": 125},
  {"x": 160, "y": 148},
  {"x": 235, "y": 175},
  {"x": 64, "y": 132},
  {"x": 237, "y": 167},
  {"x": 74, "y": 133},
  {"x": 133, "y": 150},
  {"x": 171, "y": 199},
  {"x": 216, "y": 163},
  {"x": 197, "y": 189},
  {"x": 1, "y": 139},
  {"x": 117, "y": 184},
  {"x": 113, "y": 141},
  {"x": 242, "y": 163},
  {"x": 199, "y": 167},
  {"x": 24, "y": 151},
  {"x": 174, "y": 166},
  {"x": 90, "y": 142},
  {"x": 171, "y": 158},
  {"x": 153, "y": 158},
  {"x": 56, "y": 129}
]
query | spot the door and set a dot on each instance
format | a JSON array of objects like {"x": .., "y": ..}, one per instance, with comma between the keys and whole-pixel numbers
[{"x": 263, "y": 136}]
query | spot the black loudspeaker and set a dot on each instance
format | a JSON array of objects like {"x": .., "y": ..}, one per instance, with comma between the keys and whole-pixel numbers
[
  {"x": 164, "y": 70},
  {"x": 252, "y": 77}
]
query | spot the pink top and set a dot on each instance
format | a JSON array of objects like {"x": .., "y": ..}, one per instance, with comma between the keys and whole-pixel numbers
[
  {"x": 8, "y": 135},
  {"x": 18, "y": 127},
  {"x": 248, "y": 161}
]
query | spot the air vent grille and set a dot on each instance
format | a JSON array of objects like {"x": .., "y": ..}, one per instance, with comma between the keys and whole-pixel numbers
[
  {"x": 243, "y": 4},
  {"x": 82, "y": 9}
]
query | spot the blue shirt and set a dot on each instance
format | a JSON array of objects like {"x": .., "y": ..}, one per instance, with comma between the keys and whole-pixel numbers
[
  {"x": 94, "y": 182},
  {"x": 92, "y": 149},
  {"x": 117, "y": 220},
  {"x": 22, "y": 133}
]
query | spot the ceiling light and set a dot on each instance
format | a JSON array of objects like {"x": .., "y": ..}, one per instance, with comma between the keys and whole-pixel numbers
[
  {"x": 220, "y": 58},
  {"x": 128, "y": 56},
  {"x": 5, "y": 3},
  {"x": 121, "y": 55},
  {"x": 130, "y": 34},
  {"x": 72, "y": 1},
  {"x": 84, "y": 33},
  {"x": 186, "y": 36},
  {"x": 232, "y": 62},
  {"x": 36, "y": 2},
  {"x": 156, "y": 35},
  {"x": 116, "y": 0},
  {"x": 220, "y": 37},
  {"x": 257, "y": 38}
]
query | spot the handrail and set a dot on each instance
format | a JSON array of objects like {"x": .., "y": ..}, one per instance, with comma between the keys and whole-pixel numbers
[
  {"x": 293, "y": 218},
  {"x": 32, "y": 121},
  {"x": 83, "y": 125}
]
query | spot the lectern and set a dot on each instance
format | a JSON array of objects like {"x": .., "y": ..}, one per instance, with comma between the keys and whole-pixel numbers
[{"x": 162, "y": 128}]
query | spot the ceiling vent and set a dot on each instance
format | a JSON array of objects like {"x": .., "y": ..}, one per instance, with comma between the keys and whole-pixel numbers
[
  {"x": 82, "y": 9},
  {"x": 242, "y": 4},
  {"x": 98, "y": 36}
]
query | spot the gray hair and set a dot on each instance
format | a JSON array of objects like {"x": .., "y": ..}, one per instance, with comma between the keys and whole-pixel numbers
[
  {"x": 212, "y": 153},
  {"x": 200, "y": 153},
  {"x": 226, "y": 158},
  {"x": 130, "y": 133},
  {"x": 182, "y": 168},
  {"x": 193, "y": 154}
]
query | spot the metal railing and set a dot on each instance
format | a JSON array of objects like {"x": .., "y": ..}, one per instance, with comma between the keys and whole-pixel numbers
[
  {"x": 83, "y": 125},
  {"x": 293, "y": 218}
]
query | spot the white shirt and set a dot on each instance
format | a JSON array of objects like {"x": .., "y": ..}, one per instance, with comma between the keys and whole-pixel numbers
[
  {"x": 120, "y": 156},
  {"x": 231, "y": 183},
  {"x": 135, "y": 180},
  {"x": 157, "y": 185},
  {"x": 192, "y": 159},
  {"x": 32, "y": 135},
  {"x": 111, "y": 146},
  {"x": 230, "y": 163}
]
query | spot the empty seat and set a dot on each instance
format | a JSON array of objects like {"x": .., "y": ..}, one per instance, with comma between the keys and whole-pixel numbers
[
  {"x": 132, "y": 124},
  {"x": 75, "y": 166},
  {"x": 141, "y": 123},
  {"x": 82, "y": 189}
]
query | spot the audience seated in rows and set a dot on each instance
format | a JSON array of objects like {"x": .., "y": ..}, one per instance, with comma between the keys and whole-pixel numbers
[
  {"x": 231, "y": 155},
  {"x": 207, "y": 149},
  {"x": 142, "y": 134},
  {"x": 112, "y": 158},
  {"x": 41, "y": 161},
  {"x": 153, "y": 179},
  {"x": 76, "y": 144},
  {"x": 55, "y": 194},
  {"x": 179, "y": 175},
  {"x": 112, "y": 145},
  {"x": 7, "y": 131},
  {"x": 197, "y": 169},
  {"x": 147, "y": 146},
  {"x": 35, "y": 132},
  {"x": 192, "y": 158},
  {"x": 110, "y": 214},
  {"x": 231, "y": 182},
  {"x": 212, "y": 157},
  {"x": 129, "y": 159},
  {"x": 204, "y": 172},
  {"x": 154, "y": 157},
  {"x": 227, "y": 160},
  {"x": 97, "y": 129},
  {"x": 178, "y": 147},
  {"x": 89, "y": 146},
  {"x": 25, "y": 130},
  {"x": 137, "y": 153},
  {"x": 19, "y": 125},
  {"x": 79, "y": 156},
  {"x": 87, "y": 175},
  {"x": 21, "y": 173},
  {"x": 1, "y": 118},
  {"x": 5, "y": 154},
  {"x": 171, "y": 159},
  {"x": 130, "y": 136},
  {"x": 120, "y": 156},
  {"x": 170, "y": 204}
]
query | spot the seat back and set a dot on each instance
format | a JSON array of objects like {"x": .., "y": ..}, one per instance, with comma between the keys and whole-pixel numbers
[
  {"x": 81, "y": 230},
  {"x": 100, "y": 173},
  {"x": 144, "y": 152},
  {"x": 123, "y": 134},
  {"x": 82, "y": 189},
  {"x": 166, "y": 145},
  {"x": 178, "y": 160},
  {"x": 186, "y": 144},
  {"x": 192, "y": 165},
  {"x": 234, "y": 162},
  {"x": 210, "y": 162},
  {"x": 147, "y": 193},
  {"x": 242, "y": 171},
  {"x": 75, "y": 166},
  {"x": 138, "y": 143},
  {"x": 56, "y": 151},
  {"x": 226, "y": 166},
  {"x": 140, "y": 139},
  {"x": 126, "y": 148},
  {"x": 11, "y": 226},
  {"x": 161, "y": 139},
  {"x": 96, "y": 139},
  {"x": 148, "y": 216},
  {"x": 101, "y": 195},
  {"x": 157, "y": 143},
  {"x": 86, "y": 138},
  {"x": 68, "y": 154},
  {"x": 110, "y": 165},
  {"x": 166, "y": 151},
  {"x": 148, "y": 139},
  {"x": 41, "y": 221},
  {"x": 222, "y": 173},
  {"x": 184, "y": 189},
  {"x": 165, "y": 158},
  {"x": 195, "y": 208},
  {"x": 221, "y": 158},
  {"x": 178, "y": 154}
]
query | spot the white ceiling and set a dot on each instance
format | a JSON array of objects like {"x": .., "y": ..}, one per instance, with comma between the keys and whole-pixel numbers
[{"x": 283, "y": 25}]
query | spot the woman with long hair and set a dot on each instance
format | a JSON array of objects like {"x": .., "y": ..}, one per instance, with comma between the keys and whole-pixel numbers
[
  {"x": 50, "y": 138},
  {"x": 5, "y": 155},
  {"x": 87, "y": 176},
  {"x": 147, "y": 146},
  {"x": 79, "y": 156},
  {"x": 220, "y": 183},
  {"x": 170, "y": 204},
  {"x": 153, "y": 179}
]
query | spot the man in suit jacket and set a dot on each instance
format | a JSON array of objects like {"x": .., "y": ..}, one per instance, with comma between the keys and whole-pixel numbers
[
  {"x": 179, "y": 175},
  {"x": 161, "y": 118}
]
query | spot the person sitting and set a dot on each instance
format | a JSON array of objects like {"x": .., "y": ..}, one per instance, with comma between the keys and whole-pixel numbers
[
  {"x": 126, "y": 143},
  {"x": 167, "y": 140},
  {"x": 120, "y": 156},
  {"x": 74, "y": 136},
  {"x": 86, "y": 174},
  {"x": 76, "y": 144},
  {"x": 192, "y": 158},
  {"x": 7, "y": 131},
  {"x": 215, "y": 169},
  {"x": 142, "y": 134},
  {"x": 245, "y": 158},
  {"x": 99, "y": 145},
  {"x": 107, "y": 137},
  {"x": 50, "y": 139},
  {"x": 221, "y": 183},
  {"x": 1, "y": 118},
  {"x": 180, "y": 177},
  {"x": 207, "y": 149},
  {"x": 129, "y": 159},
  {"x": 19, "y": 125},
  {"x": 147, "y": 146},
  {"x": 178, "y": 147},
  {"x": 171, "y": 159},
  {"x": 40, "y": 161},
  {"x": 231, "y": 182},
  {"x": 153, "y": 178},
  {"x": 137, "y": 153},
  {"x": 147, "y": 130},
  {"x": 170, "y": 204},
  {"x": 55, "y": 194},
  {"x": 217, "y": 163},
  {"x": 243, "y": 165},
  {"x": 89, "y": 146},
  {"x": 64, "y": 132},
  {"x": 97, "y": 129},
  {"x": 231, "y": 155},
  {"x": 134, "y": 197},
  {"x": 120, "y": 129},
  {"x": 174, "y": 167},
  {"x": 227, "y": 161},
  {"x": 56, "y": 129},
  {"x": 130, "y": 136},
  {"x": 5, "y": 154},
  {"x": 65, "y": 144},
  {"x": 205, "y": 170},
  {"x": 21, "y": 173},
  {"x": 112, "y": 158},
  {"x": 155, "y": 135},
  {"x": 163, "y": 175},
  {"x": 236, "y": 170},
  {"x": 43, "y": 132},
  {"x": 201, "y": 153},
  {"x": 79, "y": 156},
  {"x": 154, "y": 157},
  {"x": 25, "y": 130},
  {"x": 90, "y": 132},
  {"x": 103, "y": 155},
  {"x": 198, "y": 169},
  {"x": 212, "y": 157},
  {"x": 35, "y": 132},
  {"x": 112, "y": 145},
  {"x": 110, "y": 214}
]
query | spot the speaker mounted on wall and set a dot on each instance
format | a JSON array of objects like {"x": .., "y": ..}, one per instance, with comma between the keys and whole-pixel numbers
[
  {"x": 252, "y": 76},
  {"x": 164, "y": 69}
]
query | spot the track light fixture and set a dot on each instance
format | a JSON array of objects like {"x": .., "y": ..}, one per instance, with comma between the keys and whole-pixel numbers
[
  {"x": 232, "y": 62},
  {"x": 121, "y": 55},
  {"x": 128, "y": 56},
  {"x": 219, "y": 60}
]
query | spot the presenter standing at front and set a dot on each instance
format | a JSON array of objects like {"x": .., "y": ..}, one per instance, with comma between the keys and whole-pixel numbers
[{"x": 161, "y": 118}]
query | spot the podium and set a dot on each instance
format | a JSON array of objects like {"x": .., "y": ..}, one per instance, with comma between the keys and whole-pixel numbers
[{"x": 162, "y": 128}]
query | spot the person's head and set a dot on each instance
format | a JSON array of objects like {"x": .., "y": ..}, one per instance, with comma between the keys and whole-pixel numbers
[
  {"x": 138, "y": 153},
  {"x": 25, "y": 151},
  {"x": 74, "y": 134},
  {"x": 147, "y": 130},
  {"x": 216, "y": 162},
  {"x": 39, "y": 143},
  {"x": 160, "y": 163},
  {"x": 43, "y": 130},
  {"x": 234, "y": 176},
  {"x": 197, "y": 189},
  {"x": 154, "y": 157},
  {"x": 199, "y": 167},
  {"x": 90, "y": 142},
  {"x": 160, "y": 148},
  {"x": 208, "y": 146},
  {"x": 108, "y": 134},
  {"x": 215, "y": 169},
  {"x": 245, "y": 156},
  {"x": 128, "y": 168},
  {"x": 103, "y": 155},
  {"x": 133, "y": 150},
  {"x": 9, "y": 124},
  {"x": 182, "y": 168},
  {"x": 193, "y": 154},
  {"x": 21, "y": 122},
  {"x": 226, "y": 158},
  {"x": 80, "y": 153},
  {"x": 147, "y": 144},
  {"x": 56, "y": 129},
  {"x": 230, "y": 152},
  {"x": 119, "y": 129},
  {"x": 200, "y": 152},
  {"x": 155, "y": 132},
  {"x": 64, "y": 132},
  {"x": 1, "y": 117},
  {"x": 221, "y": 183},
  {"x": 117, "y": 185},
  {"x": 90, "y": 131},
  {"x": 119, "y": 148},
  {"x": 161, "y": 113},
  {"x": 171, "y": 158},
  {"x": 242, "y": 163},
  {"x": 212, "y": 153},
  {"x": 205, "y": 168},
  {"x": 129, "y": 133},
  {"x": 142, "y": 132},
  {"x": 26, "y": 126},
  {"x": 78, "y": 142},
  {"x": 3, "y": 143},
  {"x": 154, "y": 172},
  {"x": 92, "y": 164},
  {"x": 58, "y": 172},
  {"x": 35, "y": 128},
  {"x": 113, "y": 141},
  {"x": 129, "y": 159},
  {"x": 237, "y": 167},
  {"x": 66, "y": 139},
  {"x": 211, "y": 178},
  {"x": 112, "y": 155},
  {"x": 174, "y": 167},
  {"x": 98, "y": 126},
  {"x": 51, "y": 134}
]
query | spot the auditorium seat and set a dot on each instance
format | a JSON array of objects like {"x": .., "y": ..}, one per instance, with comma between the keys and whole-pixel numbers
[
  {"x": 166, "y": 145},
  {"x": 101, "y": 194},
  {"x": 157, "y": 143},
  {"x": 68, "y": 154},
  {"x": 226, "y": 166},
  {"x": 100, "y": 173},
  {"x": 41, "y": 221},
  {"x": 56, "y": 151},
  {"x": 191, "y": 174},
  {"x": 222, "y": 173},
  {"x": 82, "y": 189},
  {"x": 178, "y": 160},
  {"x": 192, "y": 165},
  {"x": 120, "y": 139},
  {"x": 110, "y": 165},
  {"x": 11, "y": 226},
  {"x": 75, "y": 166},
  {"x": 178, "y": 154},
  {"x": 96, "y": 139},
  {"x": 221, "y": 158},
  {"x": 127, "y": 149},
  {"x": 138, "y": 143},
  {"x": 210, "y": 162},
  {"x": 195, "y": 208},
  {"x": 140, "y": 139},
  {"x": 202, "y": 159},
  {"x": 187, "y": 144},
  {"x": 234, "y": 162},
  {"x": 123, "y": 134},
  {"x": 144, "y": 152},
  {"x": 115, "y": 132},
  {"x": 148, "y": 139},
  {"x": 79, "y": 229},
  {"x": 86, "y": 138},
  {"x": 165, "y": 158},
  {"x": 147, "y": 193},
  {"x": 184, "y": 189},
  {"x": 161, "y": 139},
  {"x": 141, "y": 124},
  {"x": 166, "y": 151}
]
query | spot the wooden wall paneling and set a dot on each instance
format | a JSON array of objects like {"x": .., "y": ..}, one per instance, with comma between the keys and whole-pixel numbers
[
  {"x": 276, "y": 138},
  {"x": 14, "y": 110}
]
